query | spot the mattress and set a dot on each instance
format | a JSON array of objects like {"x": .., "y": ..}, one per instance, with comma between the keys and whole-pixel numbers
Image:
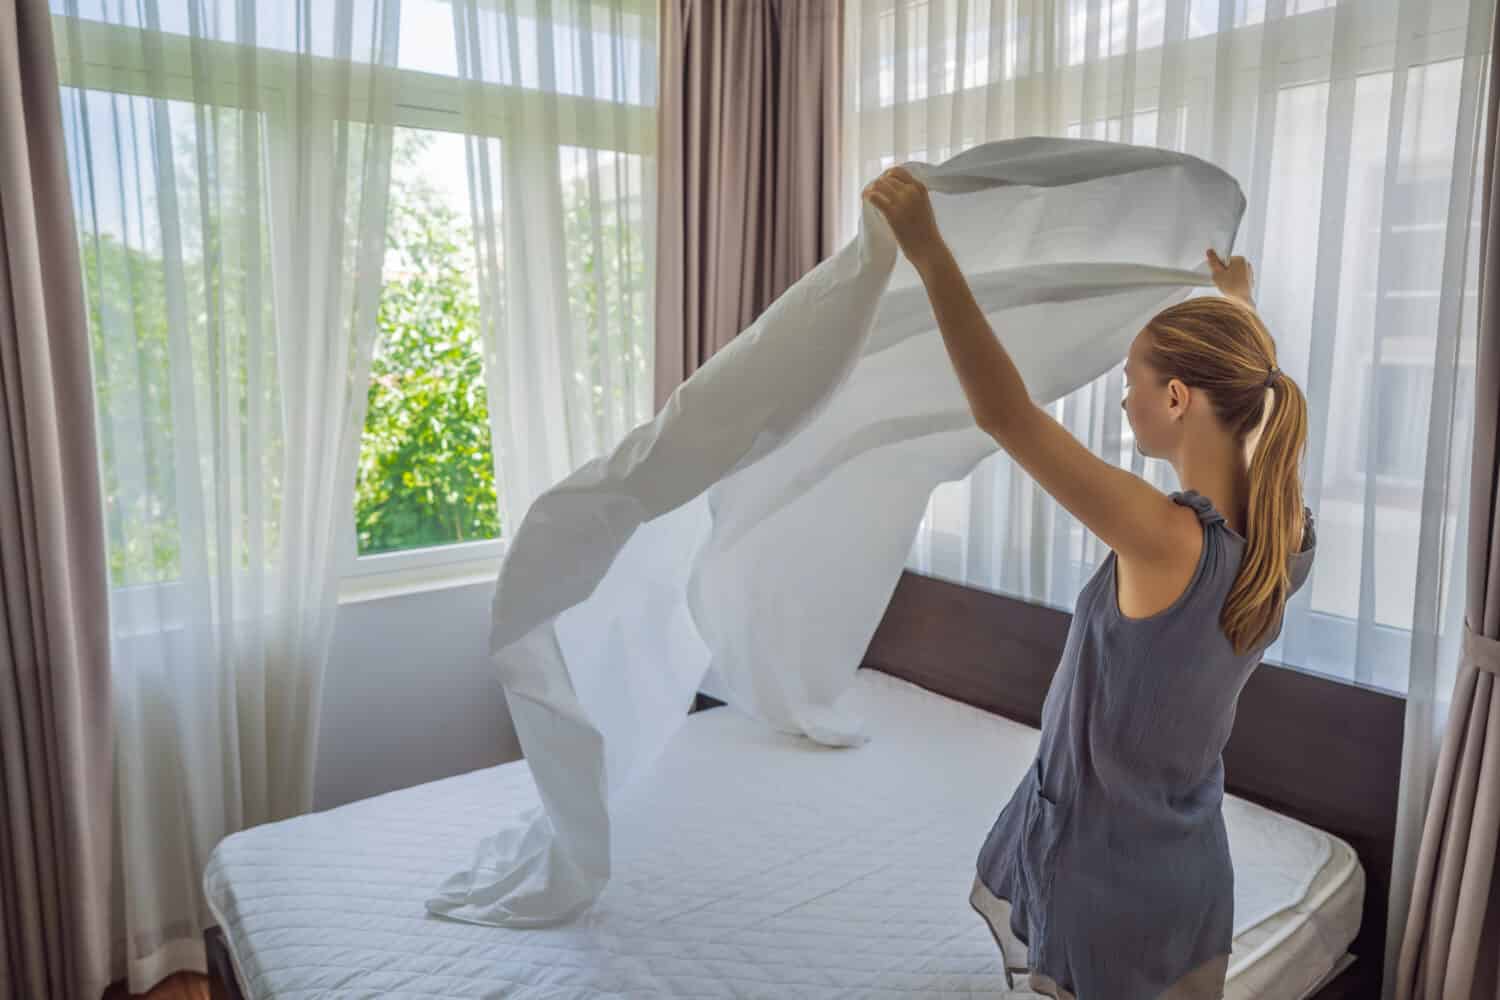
[{"x": 747, "y": 864}]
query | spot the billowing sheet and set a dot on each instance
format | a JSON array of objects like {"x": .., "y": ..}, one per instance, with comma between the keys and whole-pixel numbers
[{"x": 758, "y": 525}]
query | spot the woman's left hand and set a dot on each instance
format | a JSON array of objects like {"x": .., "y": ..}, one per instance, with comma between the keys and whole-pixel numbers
[{"x": 903, "y": 200}]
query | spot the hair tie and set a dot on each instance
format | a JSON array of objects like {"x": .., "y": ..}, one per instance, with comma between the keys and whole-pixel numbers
[{"x": 1270, "y": 381}]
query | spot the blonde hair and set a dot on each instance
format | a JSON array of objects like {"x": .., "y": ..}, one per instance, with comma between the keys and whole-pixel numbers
[{"x": 1220, "y": 347}]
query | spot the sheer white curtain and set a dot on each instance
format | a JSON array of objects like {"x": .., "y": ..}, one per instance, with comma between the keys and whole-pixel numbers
[
  {"x": 1353, "y": 128},
  {"x": 559, "y": 104},
  {"x": 229, "y": 162}
]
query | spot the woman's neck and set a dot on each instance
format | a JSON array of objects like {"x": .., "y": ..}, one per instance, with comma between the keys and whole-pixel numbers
[{"x": 1217, "y": 470}]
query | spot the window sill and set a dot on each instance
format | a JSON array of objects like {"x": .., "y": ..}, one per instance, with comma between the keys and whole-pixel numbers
[{"x": 416, "y": 580}]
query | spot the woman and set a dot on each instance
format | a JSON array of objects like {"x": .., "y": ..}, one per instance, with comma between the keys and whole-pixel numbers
[{"x": 1110, "y": 864}]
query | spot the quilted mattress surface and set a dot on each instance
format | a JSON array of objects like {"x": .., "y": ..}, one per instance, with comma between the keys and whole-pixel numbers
[{"x": 748, "y": 864}]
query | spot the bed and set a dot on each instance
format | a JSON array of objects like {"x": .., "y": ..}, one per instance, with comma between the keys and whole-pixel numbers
[{"x": 752, "y": 864}]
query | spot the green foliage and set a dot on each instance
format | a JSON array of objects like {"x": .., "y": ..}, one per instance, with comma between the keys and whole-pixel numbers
[
  {"x": 426, "y": 476},
  {"x": 124, "y": 291}
]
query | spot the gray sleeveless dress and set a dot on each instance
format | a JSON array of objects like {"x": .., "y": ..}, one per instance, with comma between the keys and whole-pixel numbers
[{"x": 1112, "y": 851}]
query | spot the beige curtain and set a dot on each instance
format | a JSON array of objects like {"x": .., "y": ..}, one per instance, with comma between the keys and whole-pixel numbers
[
  {"x": 1451, "y": 948},
  {"x": 54, "y": 665},
  {"x": 747, "y": 170}
]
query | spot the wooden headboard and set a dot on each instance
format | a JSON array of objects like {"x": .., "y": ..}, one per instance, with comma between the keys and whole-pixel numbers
[{"x": 1322, "y": 751}]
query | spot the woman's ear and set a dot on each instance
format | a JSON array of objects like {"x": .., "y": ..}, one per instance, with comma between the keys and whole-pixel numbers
[{"x": 1179, "y": 397}]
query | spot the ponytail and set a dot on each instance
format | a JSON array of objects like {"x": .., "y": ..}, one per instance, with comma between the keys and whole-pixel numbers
[
  {"x": 1258, "y": 597},
  {"x": 1220, "y": 346}
]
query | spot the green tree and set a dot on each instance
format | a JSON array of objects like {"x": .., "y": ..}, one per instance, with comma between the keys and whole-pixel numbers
[
  {"x": 124, "y": 291},
  {"x": 152, "y": 384},
  {"x": 426, "y": 475}
]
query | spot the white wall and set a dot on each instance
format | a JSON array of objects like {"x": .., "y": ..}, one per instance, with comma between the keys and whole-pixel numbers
[{"x": 410, "y": 695}]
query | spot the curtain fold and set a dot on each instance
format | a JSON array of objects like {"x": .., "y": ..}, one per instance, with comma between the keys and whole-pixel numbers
[
  {"x": 560, "y": 109},
  {"x": 751, "y": 110},
  {"x": 1355, "y": 129},
  {"x": 1451, "y": 944},
  {"x": 55, "y": 733},
  {"x": 229, "y": 165}
]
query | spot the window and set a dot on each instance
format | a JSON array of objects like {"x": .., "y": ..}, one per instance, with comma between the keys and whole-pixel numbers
[
  {"x": 607, "y": 285},
  {"x": 426, "y": 470},
  {"x": 1394, "y": 436},
  {"x": 426, "y": 491},
  {"x": 1361, "y": 223},
  {"x": 156, "y": 300}
]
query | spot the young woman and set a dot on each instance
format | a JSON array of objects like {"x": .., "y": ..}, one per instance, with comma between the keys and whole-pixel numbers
[{"x": 1107, "y": 875}]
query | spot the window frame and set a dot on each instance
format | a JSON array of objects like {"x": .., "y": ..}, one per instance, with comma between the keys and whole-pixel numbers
[
  {"x": 421, "y": 100},
  {"x": 1301, "y": 42}
]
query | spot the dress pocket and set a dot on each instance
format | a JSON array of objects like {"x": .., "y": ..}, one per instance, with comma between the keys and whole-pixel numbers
[{"x": 1043, "y": 828}]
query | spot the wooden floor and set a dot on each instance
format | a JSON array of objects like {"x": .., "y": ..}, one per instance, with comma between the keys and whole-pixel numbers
[{"x": 183, "y": 986}]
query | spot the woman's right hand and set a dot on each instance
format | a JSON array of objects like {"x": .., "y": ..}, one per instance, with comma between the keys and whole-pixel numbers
[{"x": 1234, "y": 279}]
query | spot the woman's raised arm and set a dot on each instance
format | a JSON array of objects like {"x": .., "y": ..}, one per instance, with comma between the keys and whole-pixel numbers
[{"x": 1125, "y": 511}]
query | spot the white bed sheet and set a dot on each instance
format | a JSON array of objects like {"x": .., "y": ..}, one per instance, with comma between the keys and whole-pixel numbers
[
  {"x": 646, "y": 568},
  {"x": 748, "y": 864}
]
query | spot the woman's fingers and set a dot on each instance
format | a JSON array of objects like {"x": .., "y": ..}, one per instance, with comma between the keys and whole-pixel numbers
[
  {"x": 901, "y": 174},
  {"x": 1234, "y": 277},
  {"x": 897, "y": 179},
  {"x": 1219, "y": 264},
  {"x": 894, "y": 181},
  {"x": 897, "y": 188},
  {"x": 882, "y": 194},
  {"x": 898, "y": 195}
]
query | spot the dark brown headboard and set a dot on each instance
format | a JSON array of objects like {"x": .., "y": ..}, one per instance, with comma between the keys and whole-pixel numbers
[{"x": 1323, "y": 751}]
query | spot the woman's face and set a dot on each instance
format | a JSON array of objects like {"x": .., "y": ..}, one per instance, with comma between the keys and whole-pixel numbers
[{"x": 1153, "y": 405}]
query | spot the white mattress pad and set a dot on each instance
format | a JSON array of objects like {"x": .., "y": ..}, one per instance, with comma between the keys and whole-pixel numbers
[{"x": 747, "y": 864}]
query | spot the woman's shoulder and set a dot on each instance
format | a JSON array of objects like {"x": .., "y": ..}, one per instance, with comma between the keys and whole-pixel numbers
[{"x": 1199, "y": 504}]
